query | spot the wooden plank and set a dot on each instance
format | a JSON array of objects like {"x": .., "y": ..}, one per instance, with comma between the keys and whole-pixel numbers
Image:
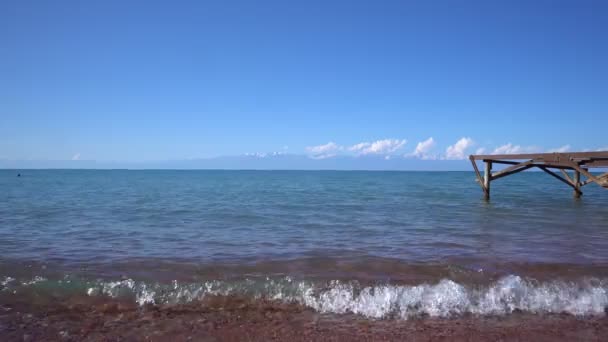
[
  {"x": 535, "y": 156},
  {"x": 596, "y": 163},
  {"x": 563, "y": 166},
  {"x": 508, "y": 162},
  {"x": 545, "y": 156},
  {"x": 586, "y": 159}
]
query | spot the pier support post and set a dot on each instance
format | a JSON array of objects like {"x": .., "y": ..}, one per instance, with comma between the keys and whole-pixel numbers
[
  {"x": 487, "y": 177},
  {"x": 577, "y": 184}
]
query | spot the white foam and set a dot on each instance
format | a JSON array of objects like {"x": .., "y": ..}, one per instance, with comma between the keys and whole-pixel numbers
[
  {"x": 7, "y": 281},
  {"x": 443, "y": 299},
  {"x": 143, "y": 295},
  {"x": 35, "y": 280}
]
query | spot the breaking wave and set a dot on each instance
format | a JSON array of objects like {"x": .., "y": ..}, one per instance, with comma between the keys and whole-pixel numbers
[{"x": 443, "y": 299}]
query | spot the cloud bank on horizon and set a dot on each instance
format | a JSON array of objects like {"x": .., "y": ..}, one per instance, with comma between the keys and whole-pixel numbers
[
  {"x": 425, "y": 150},
  {"x": 366, "y": 151},
  {"x": 381, "y": 154}
]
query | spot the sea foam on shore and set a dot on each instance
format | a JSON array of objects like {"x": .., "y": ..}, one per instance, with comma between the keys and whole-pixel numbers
[{"x": 445, "y": 298}]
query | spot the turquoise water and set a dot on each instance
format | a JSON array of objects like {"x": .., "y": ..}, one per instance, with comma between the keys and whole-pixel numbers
[
  {"x": 390, "y": 228},
  {"x": 76, "y": 216}
]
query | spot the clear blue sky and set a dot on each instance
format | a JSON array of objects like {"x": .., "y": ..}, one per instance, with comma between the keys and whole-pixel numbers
[{"x": 149, "y": 80}]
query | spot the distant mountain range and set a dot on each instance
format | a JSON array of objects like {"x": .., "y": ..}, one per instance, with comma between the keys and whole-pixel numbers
[{"x": 270, "y": 161}]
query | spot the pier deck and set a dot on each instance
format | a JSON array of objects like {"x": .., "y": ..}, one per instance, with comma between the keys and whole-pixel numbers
[{"x": 578, "y": 163}]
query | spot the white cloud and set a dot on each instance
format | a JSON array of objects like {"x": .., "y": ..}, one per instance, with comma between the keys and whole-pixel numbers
[
  {"x": 603, "y": 148},
  {"x": 562, "y": 149},
  {"x": 480, "y": 150},
  {"x": 324, "y": 151},
  {"x": 329, "y": 147},
  {"x": 458, "y": 150},
  {"x": 359, "y": 146},
  {"x": 423, "y": 148},
  {"x": 76, "y": 156},
  {"x": 386, "y": 146},
  {"x": 507, "y": 149},
  {"x": 256, "y": 155},
  {"x": 264, "y": 154},
  {"x": 322, "y": 156},
  {"x": 512, "y": 149}
]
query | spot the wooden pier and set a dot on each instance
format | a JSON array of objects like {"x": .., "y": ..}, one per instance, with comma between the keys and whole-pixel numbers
[{"x": 578, "y": 163}]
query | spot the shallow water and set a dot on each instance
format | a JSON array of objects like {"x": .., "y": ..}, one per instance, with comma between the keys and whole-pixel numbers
[{"x": 375, "y": 243}]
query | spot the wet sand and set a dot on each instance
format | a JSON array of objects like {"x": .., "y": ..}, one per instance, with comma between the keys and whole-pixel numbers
[{"x": 239, "y": 319}]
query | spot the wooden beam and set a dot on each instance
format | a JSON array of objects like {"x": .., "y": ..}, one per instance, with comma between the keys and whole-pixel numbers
[
  {"x": 479, "y": 180},
  {"x": 577, "y": 184},
  {"x": 502, "y": 161},
  {"x": 487, "y": 178},
  {"x": 596, "y": 163},
  {"x": 564, "y": 166},
  {"x": 587, "y": 174},
  {"x": 604, "y": 180},
  {"x": 501, "y": 174},
  {"x": 555, "y": 175},
  {"x": 603, "y": 176},
  {"x": 567, "y": 176},
  {"x": 507, "y": 171}
]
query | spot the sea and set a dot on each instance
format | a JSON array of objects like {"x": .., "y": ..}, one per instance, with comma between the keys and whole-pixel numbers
[{"x": 378, "y": 244}]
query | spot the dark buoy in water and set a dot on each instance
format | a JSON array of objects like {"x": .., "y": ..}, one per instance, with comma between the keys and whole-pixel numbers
[{"x": 18, "y": 175}]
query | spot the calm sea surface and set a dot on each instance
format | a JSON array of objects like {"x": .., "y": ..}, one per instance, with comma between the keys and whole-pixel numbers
[{"x": 243, "y": 226}]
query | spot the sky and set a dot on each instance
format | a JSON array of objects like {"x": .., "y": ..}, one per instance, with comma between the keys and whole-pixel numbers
[{"x": 171, "y": 81}]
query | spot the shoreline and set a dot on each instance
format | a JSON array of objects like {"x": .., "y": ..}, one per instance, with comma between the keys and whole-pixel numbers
[{"x": 238, "y": 319}]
